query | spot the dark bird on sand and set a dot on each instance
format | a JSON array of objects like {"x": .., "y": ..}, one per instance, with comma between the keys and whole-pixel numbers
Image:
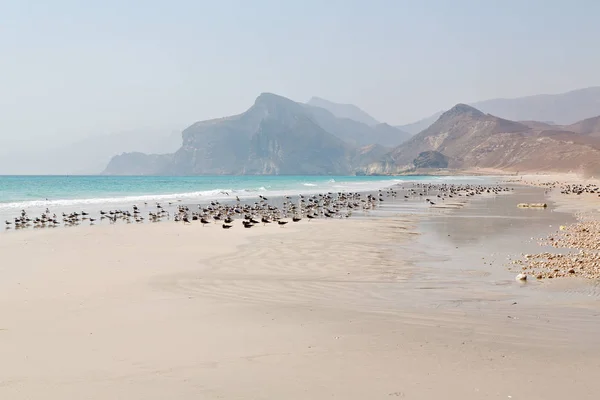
[{"x": 225, "y": 226}]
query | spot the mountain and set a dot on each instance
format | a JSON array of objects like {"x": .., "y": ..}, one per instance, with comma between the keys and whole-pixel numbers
[
  {"x": 540, "y": 125},
  {"x": 353, "y": 125},
  {"x": 274, "y": 136},
  {"x": 366, "y": 155},
  {"x": 420, "y": 125},
  {"x": 279, "y": 136},
  {"x": 470, "y": 139},
  {"x": 136, "y": 163},
  {"x": 553, "y": 109},
  {"x": 431, "y": 159},
  {"x": 564, "y": 108},
  {"x": 455, "y": 133},
  {"x": 590, "y": 127},
  {"x": 388, "y": 135},
  {"x": 357, "y": 133},
  {"x": 349, "y": 111}
]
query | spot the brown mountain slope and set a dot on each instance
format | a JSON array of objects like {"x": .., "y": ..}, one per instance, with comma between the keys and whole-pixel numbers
[
  {"x": 457, "y": 134},
  {"x": 590, "y": 126},
  {"x": 471, "y": 139},
  {"x": 539, "y": 125}
]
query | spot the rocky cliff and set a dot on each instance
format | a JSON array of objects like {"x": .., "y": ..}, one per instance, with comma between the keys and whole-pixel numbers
[
  {"x": 274, "y": 136},
  {"x": 431, "y": 159}
]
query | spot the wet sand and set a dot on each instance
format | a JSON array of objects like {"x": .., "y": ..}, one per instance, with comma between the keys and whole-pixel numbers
[{"x": 411, "y": 302}]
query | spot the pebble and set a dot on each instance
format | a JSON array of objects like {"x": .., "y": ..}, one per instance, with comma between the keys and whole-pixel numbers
[
  {"x": 521, "y": 277},
  {"x": 581, "y": 240}
]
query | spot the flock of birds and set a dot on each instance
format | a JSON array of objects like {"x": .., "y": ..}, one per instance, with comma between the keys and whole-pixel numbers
[
  {"x": 572, "y": 188},
  {"x": 579, "y": 189},
  {"x": 326, "y": 205}
]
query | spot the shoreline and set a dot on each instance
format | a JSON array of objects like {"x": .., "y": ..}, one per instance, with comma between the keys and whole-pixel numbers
[
  {"x": 371, "y": 307},
  {"x": 9, "y": 210}
]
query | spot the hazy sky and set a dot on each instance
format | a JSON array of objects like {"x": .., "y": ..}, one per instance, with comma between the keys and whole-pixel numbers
[{"x": 71, "y": 69}]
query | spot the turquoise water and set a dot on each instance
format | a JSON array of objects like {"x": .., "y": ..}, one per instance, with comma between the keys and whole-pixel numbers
[{"x": 26, "y": 192}]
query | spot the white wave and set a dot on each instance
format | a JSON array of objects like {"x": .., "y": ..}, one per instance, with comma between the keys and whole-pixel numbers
[
  {"x": 196, "y": 196},
  {"x": 116, "y": 200},
  {"x": 461, "y": 178},
  {"x": 260, "y": 189}
]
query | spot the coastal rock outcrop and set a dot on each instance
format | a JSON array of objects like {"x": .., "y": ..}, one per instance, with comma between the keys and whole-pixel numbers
[
  {"x": 431, "y": 159},
  {"x": 136, "y": 163}
]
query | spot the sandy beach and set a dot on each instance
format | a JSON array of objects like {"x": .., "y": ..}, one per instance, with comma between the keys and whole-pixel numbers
[{"x": 404, "y": 303}]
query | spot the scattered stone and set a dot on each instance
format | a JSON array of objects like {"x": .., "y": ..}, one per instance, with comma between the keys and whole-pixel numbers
[
  {"x": 581, "y": 241},
  {"x": 532, "y": 205},
  {"x": 521, "y": 277}
]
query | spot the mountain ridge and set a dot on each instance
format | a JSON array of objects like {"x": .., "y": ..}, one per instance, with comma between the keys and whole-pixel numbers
[
  {"x": 341, "y": 110},
  {"x": 472, "y": 139},
  {"x": 561, "y": 108},
  {"x": 274, "y": 136}
]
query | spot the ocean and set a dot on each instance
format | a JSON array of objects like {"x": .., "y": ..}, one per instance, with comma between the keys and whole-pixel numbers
[{"x": 77, "y": 193}]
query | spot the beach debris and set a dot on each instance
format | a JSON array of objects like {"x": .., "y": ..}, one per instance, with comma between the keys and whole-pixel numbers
[
  {"x": 521, "y": 277},
  {"x": 532, "y": 205},
  {"x": 581, "y": 240}
]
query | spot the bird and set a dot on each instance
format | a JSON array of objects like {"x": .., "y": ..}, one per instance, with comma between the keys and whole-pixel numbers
[
  {"x": 282, "y": 223},
  {"x": 226, "y": 226}
]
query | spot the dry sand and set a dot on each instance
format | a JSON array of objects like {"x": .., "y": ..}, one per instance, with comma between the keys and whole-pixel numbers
[{"x": 372, "y": 308}]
